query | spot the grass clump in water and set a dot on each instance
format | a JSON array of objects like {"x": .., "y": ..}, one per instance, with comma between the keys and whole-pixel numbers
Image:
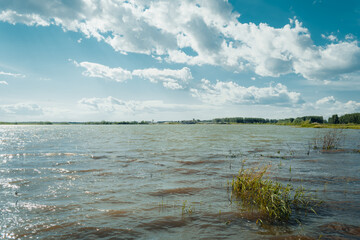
[
  {"x": 329, "y": 140},
  {"x": 274, "y": 201}
]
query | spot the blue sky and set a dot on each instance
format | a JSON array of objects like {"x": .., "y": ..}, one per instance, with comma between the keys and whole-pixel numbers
[{"x": 171, "y": 60}]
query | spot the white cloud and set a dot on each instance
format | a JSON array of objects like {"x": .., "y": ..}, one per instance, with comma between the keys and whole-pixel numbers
[
  {"x": 16, "y": 75},
  {"x": 332, "y": 105},
  {"x": 4, "y": 82},
  {"x": 331, "y": 62},
  {"x": 102, "y": 71},
  {"x": 349, "y": 36},
  {"x": 29, "y": 19},
  {"x": 114, "y": 105},
  {"x": 21, "y": 109},
  {"x": 347, "y": 82},
  {"x": 210, "y": 28},
  {"x": 331, "y": 37},
  {"x": 230, "y": 92},
  {"x": 171, "y": 79},
  {"x": 327, "y": 106},
  {"x": 325, "y": 100}
]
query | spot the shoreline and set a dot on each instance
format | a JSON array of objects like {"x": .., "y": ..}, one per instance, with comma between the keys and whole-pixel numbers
[{"x": 306, "y": 125}]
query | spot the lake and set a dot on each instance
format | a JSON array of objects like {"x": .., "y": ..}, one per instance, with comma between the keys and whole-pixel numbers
[{"x": 168, "y": 181}]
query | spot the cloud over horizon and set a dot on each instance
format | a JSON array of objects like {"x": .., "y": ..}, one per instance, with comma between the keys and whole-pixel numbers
[
  {"x": 115, "y": 105},
  {"x": 230, "y": 92},
  {"x": 21, "y": 109},
  {"x": 331, "y": 105}
]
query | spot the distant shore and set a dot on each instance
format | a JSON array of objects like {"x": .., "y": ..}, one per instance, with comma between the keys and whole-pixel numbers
[
  {"x": 347, "y": 121},
  {"x": 303, "y": 125}
]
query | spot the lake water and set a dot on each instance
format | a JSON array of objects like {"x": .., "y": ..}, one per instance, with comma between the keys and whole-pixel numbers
[{"x": 168, "y": 181}]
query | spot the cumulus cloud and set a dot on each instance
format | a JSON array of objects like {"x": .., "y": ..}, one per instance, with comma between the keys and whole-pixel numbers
[
  {"x": 171, "y": 79},
  {"x": 230, "y": 92},
  {"x": 210, "y": 28},
  {"x": 334, "y": 105},
  {"x": 331, "y": 62},
  {"x": 114, "y": 105},
  {"x": 330, "y": 105},
  {"x": 21, "y": 109}
]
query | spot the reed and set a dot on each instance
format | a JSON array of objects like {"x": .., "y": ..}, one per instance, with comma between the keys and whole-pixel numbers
[
  {"x": 329, "y": 140},
  {"x": 274, "y": 201},
  {"x": 187, "y": 208}
]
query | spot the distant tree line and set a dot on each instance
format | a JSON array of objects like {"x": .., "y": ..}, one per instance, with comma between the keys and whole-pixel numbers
[
  {"x": 345, "y": 119},
  {"x": 353, "y": 118},
  {"x": 242, "y": 120},
  {"x": 194, "y": 121},
  {"x": 116, "y": 123},
  {"x": 300, "y": 120},
  {"x": 26, "y": 123}
]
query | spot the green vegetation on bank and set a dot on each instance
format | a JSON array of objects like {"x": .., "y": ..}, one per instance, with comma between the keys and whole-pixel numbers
[
  {"x": 301, "y": 120},
  {"x": 243, "y": 120},
  {"x": 29, "y": 123},
  {"x": 346, "y": 121},
  {"x": 116, "y": 123}
]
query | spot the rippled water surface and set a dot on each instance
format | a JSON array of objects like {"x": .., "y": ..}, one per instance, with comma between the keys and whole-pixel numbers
[{"x": 167, "y": 181}]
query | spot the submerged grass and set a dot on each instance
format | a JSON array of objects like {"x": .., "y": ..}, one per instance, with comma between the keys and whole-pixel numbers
[
  {"x": 331, "y": 139},
  {"x": 274, "y": 201}
]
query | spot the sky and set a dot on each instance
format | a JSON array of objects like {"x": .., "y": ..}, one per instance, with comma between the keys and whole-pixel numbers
[{"x": 93, "y": 60}]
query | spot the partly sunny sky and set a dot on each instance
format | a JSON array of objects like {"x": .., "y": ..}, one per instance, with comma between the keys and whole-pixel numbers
[{"x": 92, "y": 60}]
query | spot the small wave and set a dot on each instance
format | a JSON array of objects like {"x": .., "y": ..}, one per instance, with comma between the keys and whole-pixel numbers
[
  {"x": 98, "y": 157},
  {"x": 89, "y": 170},
  {"x": 341, "y": 228},
  {"x": 101, "y": 233},
  {"x": 117, "y": 213},
  {"x": 164, "y": 223},
  {"x": 50, "y": 154},
  {"x": 64, "y": 163},
  {"x": 104, "y": 174},
  {"x": 60, "y": 170},
  {"x": 110, "y": 200},
  {"x": 20, "y": 182},
  {"x": 8, "y": 155},
  {"x": 176, "y": 191},
  {"x": 201, "y": 162},
  {"x": 186, "y": 171},
  {"x": 8, "y": 185},
  {"x": 32, "y": 206},
  {"x": 43, "y": 228}
]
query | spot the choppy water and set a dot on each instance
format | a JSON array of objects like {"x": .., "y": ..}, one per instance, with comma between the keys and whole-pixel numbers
[{"x": 166, "y": 181}]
